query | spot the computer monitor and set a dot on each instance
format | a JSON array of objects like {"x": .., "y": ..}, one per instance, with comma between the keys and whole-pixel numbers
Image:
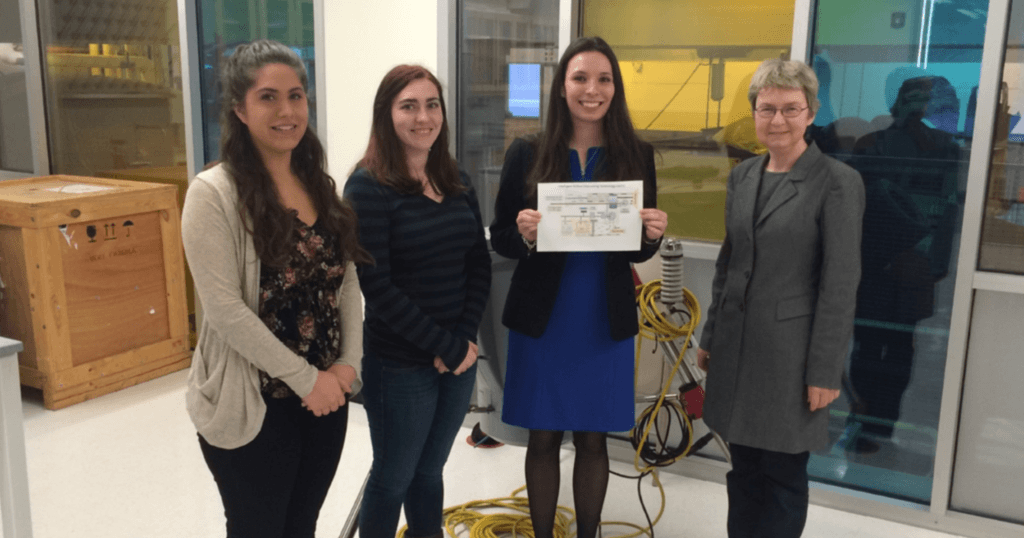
[{"x": 524, "y": 90}]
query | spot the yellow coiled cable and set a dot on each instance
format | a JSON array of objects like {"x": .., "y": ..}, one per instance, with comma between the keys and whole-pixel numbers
[
  {"x": 515, "y": 520},
  {"x": 656, "y": 326}
]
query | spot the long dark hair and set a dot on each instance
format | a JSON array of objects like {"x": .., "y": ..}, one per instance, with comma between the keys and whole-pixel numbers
[
  {"x": 624, "y": 153},
  {"x": 273, "y": 227},
  {"x": 385, "y": 154}
]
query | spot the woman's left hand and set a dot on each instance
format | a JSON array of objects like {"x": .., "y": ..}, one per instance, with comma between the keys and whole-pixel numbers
[
  {"x": 655, "y": 221},
  {"x": 819, "y": 398},
  {"x": 346, "y": 375}
]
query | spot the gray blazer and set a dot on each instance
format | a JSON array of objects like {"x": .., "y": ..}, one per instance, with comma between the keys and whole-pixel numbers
[{"x": 783, "y": 302}]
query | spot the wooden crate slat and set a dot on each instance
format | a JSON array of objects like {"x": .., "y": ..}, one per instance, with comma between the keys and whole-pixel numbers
[
  {"x": 125, "y": 371},
  {"x": 49, "y": 322},
  {"x": 28, "y": 204},
  {"x": 133, "y": 377},
  {"x": 31, "y": 377},
  {"x": 16, "y": 307},
  {"x": 112, "y": 365},
  {"x": 174, "y": 256}
]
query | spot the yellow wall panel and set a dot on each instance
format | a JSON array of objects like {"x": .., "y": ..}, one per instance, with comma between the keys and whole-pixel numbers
[
  {"x": 689, "y": 23},
  {"x": 665, "y": 50}
]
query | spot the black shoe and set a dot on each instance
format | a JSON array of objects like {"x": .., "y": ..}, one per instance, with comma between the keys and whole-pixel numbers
[{"x": 479, "y": 439}]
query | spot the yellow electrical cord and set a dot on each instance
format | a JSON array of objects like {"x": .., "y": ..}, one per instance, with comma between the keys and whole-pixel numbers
[
  {"x": 656, "y": 326},
  {"x": 469, "y": 517},
  {"x": 515, "y": 522}
]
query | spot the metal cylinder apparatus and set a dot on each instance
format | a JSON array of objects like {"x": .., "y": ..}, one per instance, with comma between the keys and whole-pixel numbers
[{"x": 671, "y": 272}]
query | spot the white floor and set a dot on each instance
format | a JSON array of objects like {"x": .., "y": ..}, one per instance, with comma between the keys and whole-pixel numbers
[{"x": 127, "y": 465}]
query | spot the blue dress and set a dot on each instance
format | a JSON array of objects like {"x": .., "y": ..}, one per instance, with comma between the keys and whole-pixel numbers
[{"x": 574, "y": 377}]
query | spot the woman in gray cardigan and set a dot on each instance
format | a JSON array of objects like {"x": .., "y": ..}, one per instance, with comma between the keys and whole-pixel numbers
[
  {"x": 272, "y": 249},
  {"x": 782, "y": 307}
]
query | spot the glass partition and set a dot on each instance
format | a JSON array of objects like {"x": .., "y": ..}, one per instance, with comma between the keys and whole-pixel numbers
[
  {"x": 15, "y": 134},
  {"x": 899, "y": 80},
  {"x": 225, "y": 24},
  {"x": 507, "y": 52},
  {"x": 112, "y": 78},
  {"x": 988, "y": 472},
  {"x": 686, "y": 66},
  {"x": 1002, "y": 238}
]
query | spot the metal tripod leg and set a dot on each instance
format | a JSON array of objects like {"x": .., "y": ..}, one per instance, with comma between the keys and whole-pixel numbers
[
  {"x": 688, "y": 373},
  {"x": 352, "y": 523}
]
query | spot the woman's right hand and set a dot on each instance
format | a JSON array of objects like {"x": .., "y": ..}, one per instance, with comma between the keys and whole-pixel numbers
[
  {"x": 702, "y": 359},
  {"x": 471, "y": 355},
  {"x": 326, "y": 396},
  {"x": 467, "y": 362},
  {"x": 527, "y": 222}
]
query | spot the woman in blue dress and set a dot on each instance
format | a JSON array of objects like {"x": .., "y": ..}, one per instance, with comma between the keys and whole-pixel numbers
[{"x": 572, "y": 316}]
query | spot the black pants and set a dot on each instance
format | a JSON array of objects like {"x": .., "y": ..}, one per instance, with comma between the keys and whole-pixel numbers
[
  {"x": 274, "y": 486},
  {"x": 768, "y": 493}
]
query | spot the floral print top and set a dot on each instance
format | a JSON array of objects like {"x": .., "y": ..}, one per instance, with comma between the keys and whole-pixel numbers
[{"x": 299, "y": 302}]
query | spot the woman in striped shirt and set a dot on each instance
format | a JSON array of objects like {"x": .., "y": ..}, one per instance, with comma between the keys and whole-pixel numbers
[{"x": 419, "y": 218}]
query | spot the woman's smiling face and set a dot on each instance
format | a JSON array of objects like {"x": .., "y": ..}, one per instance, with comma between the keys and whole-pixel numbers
[
  {"x": 778, "y": 133},
  {"x": 275, "y": 110},
  {"x": 417, "y": 116},
  {"x": 589, "y": 86}
]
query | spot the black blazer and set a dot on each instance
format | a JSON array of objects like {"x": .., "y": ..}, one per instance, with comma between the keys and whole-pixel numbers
[{"x": 535, "y": 281}]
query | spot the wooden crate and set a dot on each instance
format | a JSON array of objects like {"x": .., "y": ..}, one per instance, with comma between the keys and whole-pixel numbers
[
  {"x": 168, "y": 175},
  {"x": 93, "y": 283}
]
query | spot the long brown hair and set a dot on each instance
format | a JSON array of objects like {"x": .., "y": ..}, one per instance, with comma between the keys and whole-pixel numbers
[
  {"x": 623, "y": 150},
  {"x": 273, "y": 227},
  {"x": 385, "y": 154}
]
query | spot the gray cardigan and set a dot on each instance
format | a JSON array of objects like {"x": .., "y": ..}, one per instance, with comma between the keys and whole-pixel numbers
[
  {"x": 783, "y": 302},
  {"x": 223, "y": 395}
]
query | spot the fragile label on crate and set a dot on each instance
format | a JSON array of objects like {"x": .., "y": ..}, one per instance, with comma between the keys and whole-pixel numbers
[{"x": 79, "y": 188}]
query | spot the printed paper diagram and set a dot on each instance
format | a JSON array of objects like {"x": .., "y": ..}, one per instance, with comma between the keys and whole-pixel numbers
[{"x": 589, "y": 216}]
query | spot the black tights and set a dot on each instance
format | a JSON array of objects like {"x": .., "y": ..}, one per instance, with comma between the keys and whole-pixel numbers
[{"x": 589, "y": 480}]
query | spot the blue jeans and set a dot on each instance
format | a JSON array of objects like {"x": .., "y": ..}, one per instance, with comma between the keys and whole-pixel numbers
[{"x": 414, "y": 414}]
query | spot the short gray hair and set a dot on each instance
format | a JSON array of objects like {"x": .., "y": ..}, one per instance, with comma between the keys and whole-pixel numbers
[{"x": 793, "y": 75}]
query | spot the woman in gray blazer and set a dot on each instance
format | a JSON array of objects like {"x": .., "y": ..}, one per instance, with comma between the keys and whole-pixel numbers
[{"x": 782, "y": 308}]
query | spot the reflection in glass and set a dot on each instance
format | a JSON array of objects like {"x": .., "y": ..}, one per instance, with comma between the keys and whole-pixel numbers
[
  {"x": 225, "y": 24},
  {"x": 898, "y": 106},
  {"x": 113, "y": 85},
  {"x": 15, "y": 134},
  {"x": 1002, "y": 238},
  {"x": 686, "y": 77}
]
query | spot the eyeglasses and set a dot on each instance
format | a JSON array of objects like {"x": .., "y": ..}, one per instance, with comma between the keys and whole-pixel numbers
[{"x": 768, "y": 112}]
